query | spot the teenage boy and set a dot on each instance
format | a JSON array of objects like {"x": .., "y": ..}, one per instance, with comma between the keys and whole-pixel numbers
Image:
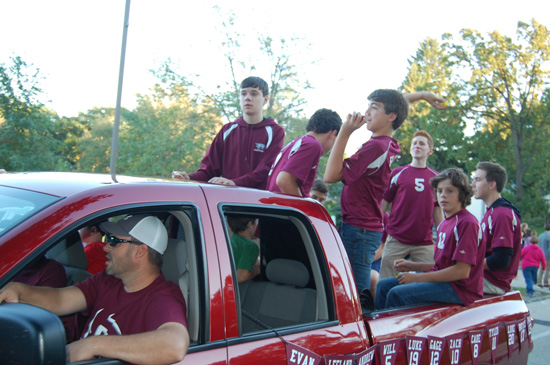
[
  {"x": 296, "y": 166},
  {"x": 500, "y": 228},
  {"x": 457, "y": 274},
  {"x": 414, "y": 209},
  {"x": 243, "y": 151},
  {"x": 366, "y": 174},
  {"x": 319, "y": 191}
]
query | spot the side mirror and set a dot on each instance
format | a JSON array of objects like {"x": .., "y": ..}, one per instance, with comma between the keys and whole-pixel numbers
[{"x": 30, "y": 335}]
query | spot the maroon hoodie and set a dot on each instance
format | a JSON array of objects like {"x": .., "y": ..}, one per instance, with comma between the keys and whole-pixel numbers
[{"x": 243, "y": 153}]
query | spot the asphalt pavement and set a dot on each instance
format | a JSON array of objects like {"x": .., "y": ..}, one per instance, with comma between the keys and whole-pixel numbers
[{"x": 539, "y": 306}]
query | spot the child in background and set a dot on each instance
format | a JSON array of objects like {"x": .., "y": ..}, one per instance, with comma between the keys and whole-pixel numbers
[{"x": 532, "y": 256}]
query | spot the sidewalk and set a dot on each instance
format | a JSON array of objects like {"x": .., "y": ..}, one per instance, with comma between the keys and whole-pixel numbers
[{"x": 519, "y": 284}]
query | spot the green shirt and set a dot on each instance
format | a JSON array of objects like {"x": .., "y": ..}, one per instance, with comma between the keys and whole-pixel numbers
[{"x": 245, "y": 252}]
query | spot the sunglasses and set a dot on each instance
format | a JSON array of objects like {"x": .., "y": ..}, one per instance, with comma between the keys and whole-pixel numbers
[{"x": 113, "y": 241}]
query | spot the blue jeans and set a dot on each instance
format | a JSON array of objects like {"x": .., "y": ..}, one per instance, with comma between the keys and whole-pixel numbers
[
  {"x": 360, "y": 245},
  {"x": 390, "y": 294},
  {"x": 530, "y": 275}
]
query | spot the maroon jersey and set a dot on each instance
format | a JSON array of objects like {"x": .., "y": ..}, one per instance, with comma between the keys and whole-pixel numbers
[
  {"x": 500, "y": 227},
  {"x": 243, "y": 153},
  {"x": 458, "y": 240},
  {"x": 113, "y": 311},
  {"x": 366, "y": 178},
  {"x": 412, "y": 204},
  {"x": 299, "y": 158}
]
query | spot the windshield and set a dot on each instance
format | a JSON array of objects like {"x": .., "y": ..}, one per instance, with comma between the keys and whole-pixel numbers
[{"x": 17, "y": 205}]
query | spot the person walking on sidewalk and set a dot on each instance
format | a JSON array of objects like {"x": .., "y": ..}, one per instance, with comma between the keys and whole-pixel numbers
[
  {"x": 544, "y": 244},
  {"x": 531, "y": 257}
]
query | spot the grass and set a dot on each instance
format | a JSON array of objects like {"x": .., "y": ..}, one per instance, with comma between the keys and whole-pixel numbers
[{"x": 521, "y": 290}]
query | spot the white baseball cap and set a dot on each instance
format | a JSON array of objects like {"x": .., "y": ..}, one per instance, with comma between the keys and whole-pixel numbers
[{"x": 145, "y": 228}]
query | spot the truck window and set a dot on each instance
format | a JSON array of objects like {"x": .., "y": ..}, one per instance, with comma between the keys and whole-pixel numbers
[
  {"x": 182, "y": 261},
  {"x": 290, "y": 285}
]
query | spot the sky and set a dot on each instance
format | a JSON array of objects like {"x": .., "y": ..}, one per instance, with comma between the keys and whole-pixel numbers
[{"x": 359, "y": 46}]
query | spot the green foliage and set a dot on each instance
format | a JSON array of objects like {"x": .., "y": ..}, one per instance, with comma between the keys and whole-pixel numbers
[
  {"x": 497, "y": 87},
  {"x": 27, "y": 129},
  {"x": 431, "y": 70},
  {"x": 171, "y": 129},
  {"x": 94, "y": 146},
  {"x": 504, "y": 93},
  {"x": 285, "y": 103}
]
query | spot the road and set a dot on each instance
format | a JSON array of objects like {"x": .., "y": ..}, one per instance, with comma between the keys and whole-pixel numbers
[
  {"x": 539, "y": 306},
  {"x": 540, "y": 311}
]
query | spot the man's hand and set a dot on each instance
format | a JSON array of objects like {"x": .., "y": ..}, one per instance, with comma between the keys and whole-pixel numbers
[
  {"x": 80, "y": 350},
  {"x": 181, "y": 175},
  {"x": 221, "y": 181},
  {"x": 10, "y": 293}
]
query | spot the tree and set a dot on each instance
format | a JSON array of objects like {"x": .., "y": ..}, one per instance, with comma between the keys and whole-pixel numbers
[
  {"x": 94, "y": 146},
  {"x": 503, "y": 93},
  {"x": 27, "y": 128},
  {"x": 285, "y": 86},
  {"x": 171, "y": 129},
  {"x": 431, "y": 70}
]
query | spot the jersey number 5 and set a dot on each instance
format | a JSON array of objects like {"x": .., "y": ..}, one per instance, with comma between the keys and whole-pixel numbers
[{"x": 419, "y": 184}]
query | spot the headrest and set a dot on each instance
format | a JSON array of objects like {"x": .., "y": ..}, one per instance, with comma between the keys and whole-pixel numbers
[
  {"x": 288, "y": 272},
  {"x": 69, "y": 252},
  {"x": 174, "y": 259}
]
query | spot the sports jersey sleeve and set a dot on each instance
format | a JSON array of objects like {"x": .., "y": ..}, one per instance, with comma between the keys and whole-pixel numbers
[
  {"x": 258, "y": 177},
  {"x": 389, "y": 195},
  {"x": 366, "y": 158},
  {"x": 503, "y": 229},
  {"x": 300, "y": 164},
  {"x": 467, "y": 235}
]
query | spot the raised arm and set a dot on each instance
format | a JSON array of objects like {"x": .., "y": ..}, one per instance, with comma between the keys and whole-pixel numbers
[
  {"x": 333, "y": 172},
  {"x": 436, "y": 102}
]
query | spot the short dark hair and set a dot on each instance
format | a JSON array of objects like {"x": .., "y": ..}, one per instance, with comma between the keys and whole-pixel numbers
[
  {"x": 458, "y": 179},
  {"x": 238, "y": 223},
  {"x": 320, "y": 186},
  {"x": 254, "y": 81},
  {"x": 494, "y": 172},
  {"x": 394, "y": 102},
  {"x": 154, "y": 256},
  {"x": 323, "y": 121}
]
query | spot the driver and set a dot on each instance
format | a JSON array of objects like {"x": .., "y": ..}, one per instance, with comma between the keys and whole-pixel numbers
[{"x": 135, "y": 314}]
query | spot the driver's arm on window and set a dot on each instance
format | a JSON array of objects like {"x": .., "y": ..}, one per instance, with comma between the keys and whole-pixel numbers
[{"x": 166, "y": 345}]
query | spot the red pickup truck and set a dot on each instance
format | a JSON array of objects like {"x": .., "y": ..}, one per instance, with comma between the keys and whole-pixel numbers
[{"x": 303, "y": 308}]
